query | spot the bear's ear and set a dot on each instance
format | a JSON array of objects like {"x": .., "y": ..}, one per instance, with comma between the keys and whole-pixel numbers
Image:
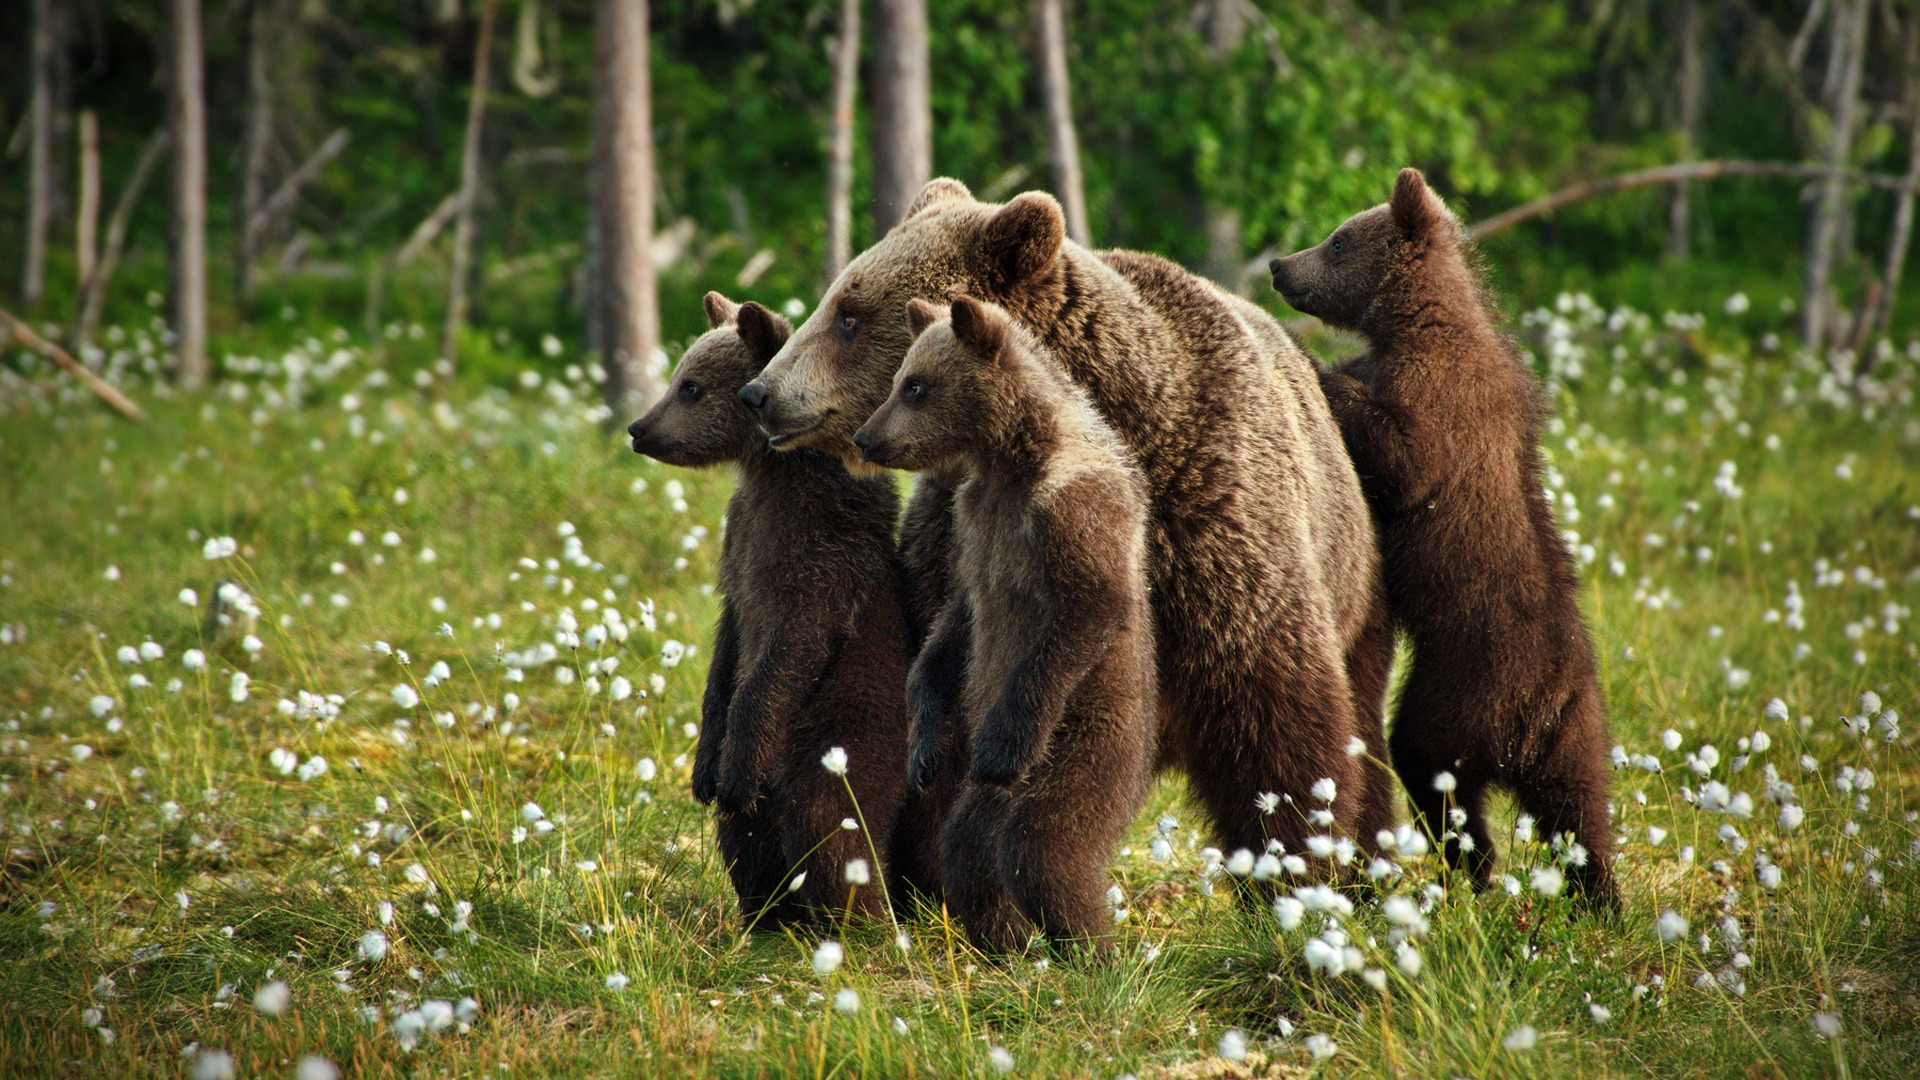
[
  {"x": 761, "y": 331},
  {"x": 1416, "y": 209},
  {"x": 720, "y": 310},
  {"x": 941, "y": 189},
  {"x": 983, "y": 330},
  {"x": 921, "y": 315},
  {"x": 1023, "y": 237}
]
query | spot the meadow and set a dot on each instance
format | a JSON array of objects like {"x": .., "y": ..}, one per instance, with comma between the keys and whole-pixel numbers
[{"x": 346, "y": 712}]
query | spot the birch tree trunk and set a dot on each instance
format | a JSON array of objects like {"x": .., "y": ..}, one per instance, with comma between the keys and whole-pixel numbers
[
  {"x": 33, "y": 277},
  {"x": 1902, "y": 233},
  {"x": 93, "y": 296},
  {"x": 1849, "y": 40},
  {"x": 86, "y": 222},
  {"x": 189, "y": 194},
  {"x": 261, "y": 30},
  {"x": 1065, "y": 146},
  {"x": 1226, "y": 28},
  {"x": 846, "y": 86},
  {"x": 1680, "y": 207},
  {"x": 902, "y": 110},
  {"x": 470, "y": 187},
  {"x": 626, "y": 293}
]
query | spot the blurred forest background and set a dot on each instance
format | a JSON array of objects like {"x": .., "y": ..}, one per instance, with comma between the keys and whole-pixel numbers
[{"x": 339, "y": 136}]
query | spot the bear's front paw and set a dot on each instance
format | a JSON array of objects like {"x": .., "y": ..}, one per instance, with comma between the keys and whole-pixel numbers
[
  {"x": 923, "y": 760},
  {"x": 706, "y": 778},
  {"x": 996, "y": 764},
  {"x": 736, "y": 792}
]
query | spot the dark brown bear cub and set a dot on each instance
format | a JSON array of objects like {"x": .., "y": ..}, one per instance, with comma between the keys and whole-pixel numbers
[
  {"x": 1047, "y": 637},
  {"x": 1443, "y": 421},
  {"x": 812, "y": 648}
]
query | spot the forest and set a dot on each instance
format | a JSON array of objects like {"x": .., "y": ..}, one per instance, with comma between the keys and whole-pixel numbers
[{"x": 354, "y": 669}]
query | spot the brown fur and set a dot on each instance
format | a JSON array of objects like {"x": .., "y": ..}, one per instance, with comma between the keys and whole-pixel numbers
[
  {"x": 811, "y": 650},
  {"x": 1261, "y": 556},
  {"x": 1049, "y": 611},
  {"x": 1443, "y": 421}
]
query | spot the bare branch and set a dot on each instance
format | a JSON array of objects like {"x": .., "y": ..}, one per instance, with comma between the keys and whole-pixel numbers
[{"x": 24, "y": 334}]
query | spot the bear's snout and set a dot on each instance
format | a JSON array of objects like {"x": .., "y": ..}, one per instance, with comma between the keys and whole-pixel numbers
[
  {"x": 637, "y": 431},
  {"x": 754, "y": 395}
]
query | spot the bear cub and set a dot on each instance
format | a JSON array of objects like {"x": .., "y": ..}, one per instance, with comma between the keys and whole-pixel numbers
[
  {"x": 811, "y": 650},
  {"x": 1442, "y": 418},
  {"x": 1045, "y": 646}
]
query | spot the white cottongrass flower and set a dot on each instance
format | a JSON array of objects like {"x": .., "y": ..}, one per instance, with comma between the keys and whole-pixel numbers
[
  {"x": 646, "y": 770},
  {"x": 252, "y": 644},
  {"x": 315, "y": 768},
  {"x": 81, "y": 751},
  {"x": 1324, "y": 789},
  {"x": 846, "y": 1000},
  {"x": 1827, "y": 1024},
  {"x": 1289, "y": 912},
  {"x": 1407, "y": 959},
  {"x": 1791, "y": 815},
  {"x": 671, "y": 653},
  {"x": 1520, "y": 1039},
  {"x": 1655, "y": 834},
  {"x": 618, "y": 981},
  {"x": 620, "y": 689},
  {"x": 1670, "y": 739},
  {"x": 213, "y": 1064},
  {"x": 315, "y": 1067},
  {"x": 835, "y": 761},
  {"x": 1240, "y": 863},
  {"x": 189, "y": 598},
  {"x": 899, "y": 1026},
  {"x": 1266, "y": 802},
  {"x": 858, "y": 872},
  {"x": 100, "y": 705},
  {"x": 828, "y": 957},
  {"x": 272, "y": 998},
  {"x": 1548, "y": 881},
  {"x": 407, "y": 1028},
  {"x": 1322, "y": 1046},
  {"x": 1002, "y": 1059},
  {"x": 405, "y": 696},
  {"x": 1444, "y": 783},
  {"x": 127, "y": 654},
  {"x": 1672, "y": 926},
  {"x": 1233, "y": 1045},
  {"x": 238, "y": 688},
  {"x": 220, "y": 547},
  {"x": 1776, "y": 709},
  {"x": 373, "y": 946}
]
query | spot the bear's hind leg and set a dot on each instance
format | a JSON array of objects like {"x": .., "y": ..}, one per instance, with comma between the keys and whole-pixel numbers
[
  {"x": 1566, "y": 791},
  {"x": 970, "y": 846},
  {"x": 1369, "y": 671},
  {"x": 750, "y": 847}
]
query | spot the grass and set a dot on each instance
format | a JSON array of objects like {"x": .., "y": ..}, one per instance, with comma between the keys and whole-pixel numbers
[{"x": 170, "y": 849}]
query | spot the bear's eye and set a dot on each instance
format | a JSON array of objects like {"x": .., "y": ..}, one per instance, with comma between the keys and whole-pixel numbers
[
  {"x": 1339, "y": 244},
  {"x": 690, "y": 391},
  {"x": 847, "y": 323},
  {"x": 914, "y": 390}
]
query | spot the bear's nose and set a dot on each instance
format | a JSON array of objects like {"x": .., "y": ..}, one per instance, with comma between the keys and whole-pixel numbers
[
  {"x": 754, "y": 395},
  {"x": 637, "y": 428},
  {"x": 861, "y": 439},
  {"x": 1273, "y": 266}
]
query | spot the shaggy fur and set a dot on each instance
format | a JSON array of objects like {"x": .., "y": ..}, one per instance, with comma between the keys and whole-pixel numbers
[
  {"x": 1443, "y": 421},
  {"x": 1260, "y": 553},
  {"x": 1046, "y": 640},
  {"x": 812, "y": 647}
]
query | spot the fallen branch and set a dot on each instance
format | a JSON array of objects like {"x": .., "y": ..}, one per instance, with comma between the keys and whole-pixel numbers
[
  {"x": 289, "y": 190},
  {"x": 424, "y": 233},
  {"x": 24, "y": 334},
  {"x": 1670, "y": 174}
]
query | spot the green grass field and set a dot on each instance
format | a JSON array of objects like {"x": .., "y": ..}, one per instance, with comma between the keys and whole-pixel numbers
[{"x": 398, "y": 824}]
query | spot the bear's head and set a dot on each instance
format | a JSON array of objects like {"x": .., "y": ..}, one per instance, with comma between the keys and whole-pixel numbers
[
  {"x": 942, "y": 396},
  {"x": 701, "y": 420},
  {"x": 839, "y": 365},
  {"x": 1337, "y": 281}
]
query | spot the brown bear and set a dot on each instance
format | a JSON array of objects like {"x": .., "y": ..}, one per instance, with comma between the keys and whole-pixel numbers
[
  {"x": 1261, "y": 557},
  {"x": 811, "y": 651},
  {"x": 1443, "y": 419},
  {"x": 1045, "y": 644}
]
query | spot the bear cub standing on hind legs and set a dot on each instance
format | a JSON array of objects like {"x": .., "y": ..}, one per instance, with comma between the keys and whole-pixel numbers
[
  {"x": 1047, "y": 637},
  {"x": 1442, "y": 419},
  {"x": 812, "y": 648}
]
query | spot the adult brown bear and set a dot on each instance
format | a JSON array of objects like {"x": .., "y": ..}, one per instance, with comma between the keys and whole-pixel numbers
[{"x": 1273, "y": 641}]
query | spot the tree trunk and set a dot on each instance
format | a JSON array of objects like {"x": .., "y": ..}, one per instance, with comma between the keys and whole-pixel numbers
[
  {"x": 627, "y": 293},
  {"x": 261, "y": 30},
  {"x": 33, "y": 278},
  {"x": 1226, "y": 29},
  {"x": 1061, "y": 140},
  {"x": 86, "y": 224},
  {"x": 1849, "y": 38},
  {"x": 470, "y": 187},
  {"x": 1680, "y": 208},
  {"x": 189, "y": 194},
  {"x": 846, "y": 85},
  {"x": 902, "y": 110},
  {"x": 94, "y": 295},
  {"x": 1902, "y": 234}
]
